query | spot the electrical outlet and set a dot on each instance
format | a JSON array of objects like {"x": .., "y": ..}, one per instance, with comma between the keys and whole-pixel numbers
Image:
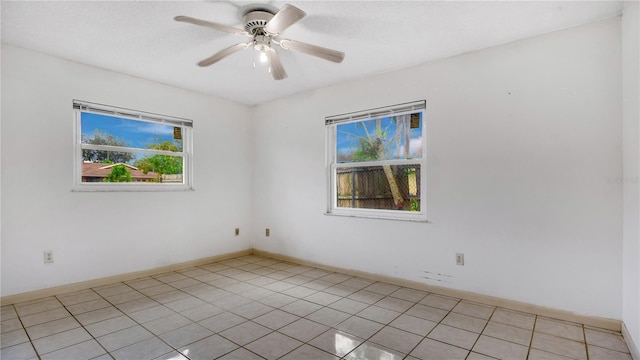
[
  {"x": 237, "y": 231},
  {"x": 460, "y": 259},
  {"x": 48, "y": 257},
  {"x": 266, "y": 232}
]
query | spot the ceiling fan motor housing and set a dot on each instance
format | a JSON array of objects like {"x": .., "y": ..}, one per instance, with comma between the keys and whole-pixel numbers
[{"x": 255, "y": 21}]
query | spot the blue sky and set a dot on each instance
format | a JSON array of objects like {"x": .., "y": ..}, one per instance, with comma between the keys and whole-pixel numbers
[
  {"x": 348, "y": 137},
  {"x": 135, "y": 133}
]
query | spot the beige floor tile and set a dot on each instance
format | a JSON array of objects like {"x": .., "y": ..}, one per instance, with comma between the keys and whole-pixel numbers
[
  {"x": 201, "y": 312},
  {"x": 349, "y": 306},
  {"x": 396, "y": 339},
  {"x": 151, "y": 313},
  {"x": 109, "y": 326},
  {"x": 136, "y": 305},
  {"x": 11, "y": 325},
  {"x": 304, "y": 330},
  {"x": 273, "y": 346},
  {"x": 322, "y": 298},
  {"x": 252, "y": 310},
  {"x": 465, "y": 322},
  {"x": 476, "y": 356},
  {"x": 454, "y": 336},
  {"x": 375, "y": 313},
  {"x": 598, "y": 353},
  {"x": 500, "y": 349},
  {"x": 173, "y": 355},
  {"x": 536, "y": 354},
  {"x": 360, "y": 327},
  {"x": 366, "y": 297},
  {"x": 430, "y": 349},
  {"x": 145, "y": 349},
  {"x": 606, "y": 340},
  {"x": 373, "y": 351},
  {"x": 395, "y": 304},
  {"x": 12, "y": 338},
  {"x": 301, "y": 307},
  {"x": 37, "y": 306},
  {"x": 310, "y": 353},
  {"x": 558, "y": 345},
  {"x": 61, "y": 340},
  {"x": 336, "y": 342},
  {"x": 85, "y": 350},
  {"x": 474, "y": 309},
  {"x": 278, "y": 300},
  {"x": 513, "y": 318},
  {"x": 210, "y": 347},
  {"x": 245, "y": 333},
  {"x": 77, "y": 297},
  {"x": 21, "y": 351},
  {"x": 98, "y": 315},
  {"x": 276, "y": 319},
  {"x": 185, "y": 335},
  {"x": 340, "y": 290},
  {"x": 125, "y": 337},
  {"x": 413, "y": 324},
  {"x": 440, "y": 301},
  {"x": 221, "y": 322},
  {"x": 299, "y": 291},
  {"x": 8, "y": 312},
  {"x": 509, "y": 333},
  {"x": 126, "y": 297},
  {"x": 43, "y": 317},
  {"x": 409, "y": 294},
  {"x": 327, "y": 316},
  {"x": 382, "y": 288},
  {"x": 112, "y": 289},
  {"x": 560, "y": 328},
  {"x": 427, "y": 312}
]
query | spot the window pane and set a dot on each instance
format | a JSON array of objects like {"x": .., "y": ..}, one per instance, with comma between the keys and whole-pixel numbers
[
  {"x": 387, "y": 138},
  {"x": 131, "y": 167},
  {"x": 389, "y": 187},
  {"x": 108, "y": 130}
]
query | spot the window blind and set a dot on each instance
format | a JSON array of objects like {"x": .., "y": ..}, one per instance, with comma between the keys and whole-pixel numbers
[
  {"x": 128, "y": 113},
  {"x": 376, "y": 113}
]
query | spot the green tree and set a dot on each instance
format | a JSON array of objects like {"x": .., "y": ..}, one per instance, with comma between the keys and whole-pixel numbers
[
  {"x": 101, "y": 137},
  {"x": 119, "y": 173},
  {"x": 161, "y": 164}
]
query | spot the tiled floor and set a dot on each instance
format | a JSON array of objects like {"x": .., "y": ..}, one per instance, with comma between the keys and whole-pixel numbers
[{"x": 254, "y": 307}]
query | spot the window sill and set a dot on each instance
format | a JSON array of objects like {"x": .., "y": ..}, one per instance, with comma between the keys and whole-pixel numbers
[
  {"x": 377, "y": 217},
  {"x": 130, "y": 188}
]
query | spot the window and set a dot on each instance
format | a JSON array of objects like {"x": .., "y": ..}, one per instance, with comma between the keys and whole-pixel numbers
[
  {"x": 376, "y": 163},
  {"x": 124, "y": 150}
]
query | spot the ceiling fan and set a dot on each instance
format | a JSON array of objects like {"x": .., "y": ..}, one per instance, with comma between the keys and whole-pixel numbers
[{"x": 264, "y": 27}]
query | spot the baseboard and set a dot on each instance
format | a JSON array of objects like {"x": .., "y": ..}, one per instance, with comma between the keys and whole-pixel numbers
[
  {"x": 609, "y": 324},
  {"x": 57, "y": 290},
  {"x": 633, "y": 348}
]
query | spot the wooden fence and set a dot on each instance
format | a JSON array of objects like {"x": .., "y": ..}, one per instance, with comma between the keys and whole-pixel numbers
[{"x": 368, "y": 187}]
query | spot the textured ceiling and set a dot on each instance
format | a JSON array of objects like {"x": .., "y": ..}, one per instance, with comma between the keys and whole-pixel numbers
[{"x": 140, "y": 38}]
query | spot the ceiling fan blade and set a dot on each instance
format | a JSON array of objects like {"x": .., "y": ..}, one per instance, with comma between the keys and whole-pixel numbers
[
  {"x": 223, "y": 54},
  {"x": 284, "y": 18},
  {"x": 212, "y": 25},
  {"x": 277, "y": 70},
  {"x": 314, "y": 50}
]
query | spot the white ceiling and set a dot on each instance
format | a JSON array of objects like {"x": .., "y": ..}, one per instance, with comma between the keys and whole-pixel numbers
[{"x": 140, "y": 38}]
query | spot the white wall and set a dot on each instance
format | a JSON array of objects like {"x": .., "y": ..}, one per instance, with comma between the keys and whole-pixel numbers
[
  {"x": 94, "y": 235},
  {"x": 631, "y": 178},
  {"x": 524, "y": 161}
]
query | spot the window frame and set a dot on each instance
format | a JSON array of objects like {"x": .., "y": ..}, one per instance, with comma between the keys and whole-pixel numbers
[
  {"x": 186, "y": 126},
  {"x": 331, "y": 125}
]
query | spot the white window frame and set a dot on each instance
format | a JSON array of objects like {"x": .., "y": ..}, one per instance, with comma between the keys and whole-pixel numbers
[
  {"x": 186, "y": 126},
  {"x": 332, "y": 164}
]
